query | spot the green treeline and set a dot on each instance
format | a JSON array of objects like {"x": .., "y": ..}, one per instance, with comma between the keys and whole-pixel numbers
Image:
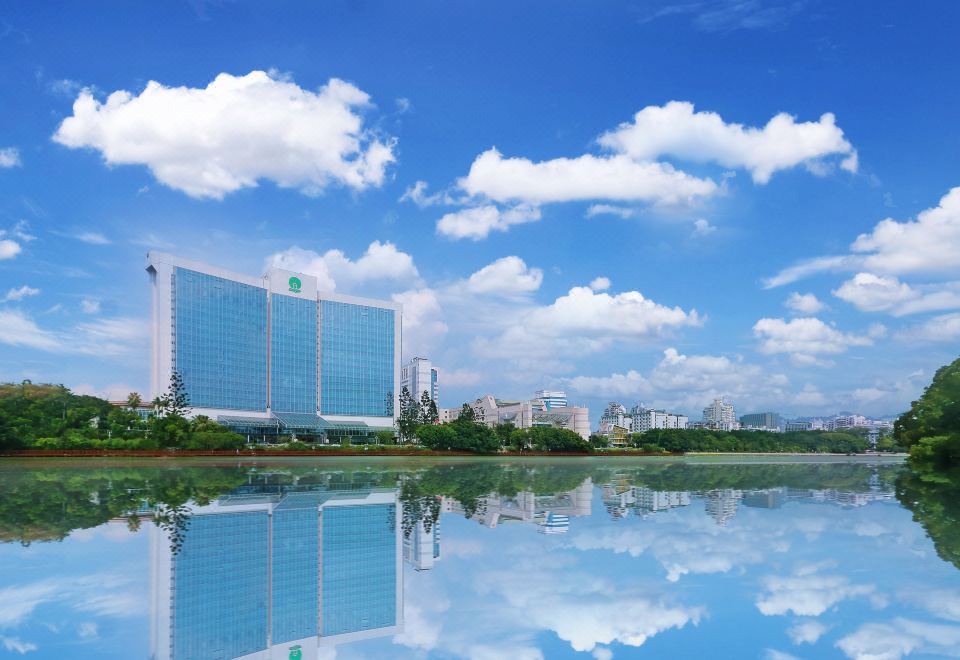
[
  {"x": 466, "y": 434},
  {"x": 42, "y": 416},
  {"x": 703, "y": 440},
  {"x": 931, "y": 428}
]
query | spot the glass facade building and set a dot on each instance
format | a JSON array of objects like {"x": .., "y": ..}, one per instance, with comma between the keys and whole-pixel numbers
[
  {"x": 359, "y": 568},
  {"x": 293, "y": 354},
  {"x": 273, "y": 355},
  {"x": 357, "y": 372},
  {"x": 220, "y": 341},
  {"x": 259, "y": 571}
]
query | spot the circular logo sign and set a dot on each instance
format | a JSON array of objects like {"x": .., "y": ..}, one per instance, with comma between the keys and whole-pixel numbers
[{"x": 295, "y": 284}]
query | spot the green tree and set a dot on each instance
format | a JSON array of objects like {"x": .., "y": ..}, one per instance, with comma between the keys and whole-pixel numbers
[
  {"x": 931, "y": 428},
  {"x": 428, "y": 409},
  {"x": 409, "y": 418}
]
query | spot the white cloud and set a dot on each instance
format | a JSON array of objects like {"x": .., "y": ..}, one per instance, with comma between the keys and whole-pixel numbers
[
  {"x": 807, "y": 594},
  {"x": 774, "y": 654},
  {"x": 702, "y": 227},
  {"x": 105, "y": 337},
  {"x": 810, "y": 267},
  {"x": 381, "y": 262},
  {"x": 809, "y": 396},
  {"x": 938, "y": 328},
  {"x": 90, "y": 306},
  {"x": 507, "y": 276},
  {"x": 687, "y": 381},
  {"x": 9, "y": 157},
  {"x": 806, "y": 337},
  {"x": 477, "y": 222},
  {"x": 15, "y": 645},
  {"x": 676, "y": 130},
  {"x": 804, "y": 303},
  {"x": 208, "y": 142},
  {"x": 807, "y": 632},
  {"x": 422, "y": 322},
  {"x": 602, "y": 653},
  {"x": 8, "y": 249},
  {"x": 92, "y": 237},
  {"x": 900, "y": 637},
  {"x": 583, "y": 178},
  {"x": 584, "y": 321},
  {"x": 19, "y": 294},
  {"x": 417, "y": 193},
  {"x": 460, "y": 377},
  {"x": 878, "y": 293},
  {"x": 609, "y": 209},
  {"x": 930, "y": 244},
  {"x": 600, "y": 283}
]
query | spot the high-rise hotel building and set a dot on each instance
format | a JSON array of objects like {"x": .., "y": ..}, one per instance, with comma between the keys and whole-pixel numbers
[{"x": 273, "y": 354}]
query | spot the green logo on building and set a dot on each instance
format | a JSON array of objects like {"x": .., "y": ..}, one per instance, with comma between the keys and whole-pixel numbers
[
  {"x": 295, "y": 652},
  {"x": 295, "y": 284}
]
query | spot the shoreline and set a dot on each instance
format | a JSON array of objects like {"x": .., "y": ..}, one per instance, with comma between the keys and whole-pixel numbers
[{"x": 713, "y": 457}]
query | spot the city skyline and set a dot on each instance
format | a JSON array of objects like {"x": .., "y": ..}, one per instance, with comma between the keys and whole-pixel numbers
[{"x": 646, "y": 217}]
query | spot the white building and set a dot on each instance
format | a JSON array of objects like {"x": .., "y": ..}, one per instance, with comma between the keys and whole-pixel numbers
[
  {"x": 644, "y": 419},
  {"x": 421, "y": 548},
  {"x": 615, "y": 414},
  {"x": 720, "y": 415},
  {"x": 419, "y": 376},
  {"x": 491, "y": 411}
]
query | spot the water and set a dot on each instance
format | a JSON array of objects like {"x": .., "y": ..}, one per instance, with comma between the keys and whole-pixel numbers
[{"x": 530, "y": 559}]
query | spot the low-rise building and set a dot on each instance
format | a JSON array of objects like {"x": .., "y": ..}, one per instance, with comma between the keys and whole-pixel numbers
[{"x": 525, "y": 414}]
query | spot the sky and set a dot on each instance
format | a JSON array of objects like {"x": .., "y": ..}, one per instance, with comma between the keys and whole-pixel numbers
[{"x": 644, "y": 202}]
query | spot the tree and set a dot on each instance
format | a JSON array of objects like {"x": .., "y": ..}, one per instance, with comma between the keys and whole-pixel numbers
[
  {"x": 409, "y": 418},
  {"x": 467, "y": 413},
  {"x": 133, "y": 400},
  {"x": 428, "y": 409},
  {"x": 931, "y": 428}
]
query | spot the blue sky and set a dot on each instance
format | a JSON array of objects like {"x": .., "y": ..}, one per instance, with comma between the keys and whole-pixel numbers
[{"x": 611, "y": 200}]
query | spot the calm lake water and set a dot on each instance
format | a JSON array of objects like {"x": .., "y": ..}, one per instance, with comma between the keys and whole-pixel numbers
[{"x": 477, "y": 559}]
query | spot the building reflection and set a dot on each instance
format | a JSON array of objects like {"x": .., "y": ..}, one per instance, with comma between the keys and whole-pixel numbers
[
  {"x": 278, "y": 572},
  {"x": 550, "y": 512}
]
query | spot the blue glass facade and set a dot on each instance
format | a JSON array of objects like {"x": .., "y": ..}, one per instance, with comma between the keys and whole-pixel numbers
[
  {"x": 359, "y": 583},
  {"x": 220, "y": 341},
  {"x": 293, "y": 354},
  {"x": 295, "y": 572},
  {"x": 220, "y": 577},
  {"x": 356, "y": 359}
]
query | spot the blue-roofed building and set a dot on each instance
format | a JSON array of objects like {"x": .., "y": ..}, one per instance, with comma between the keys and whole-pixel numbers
[{"x": 274, "y": 355}]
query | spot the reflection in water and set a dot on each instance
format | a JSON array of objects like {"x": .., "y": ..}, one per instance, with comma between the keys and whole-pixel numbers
[{"x": 291, "y": 560}]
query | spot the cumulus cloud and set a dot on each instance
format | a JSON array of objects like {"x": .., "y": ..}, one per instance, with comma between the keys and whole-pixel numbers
[
  {"x": 929, "y": 244},
  {"x": 381, "y": 262},
  {"x": 702, "y": 227},
  {"x": 686, "y": 381},
  {"x": 804, "y": 303},
  {"x": 477, "y": 222},
  {"x": 600, "y": 283},
  {"x": 9, "y": 157},
  {"x": 807, "y": 631},
  {"x": 806, "y": 337},
  {"x": 19, "y": 293},
  {"x": 422, "y": 319},
  {"x": 212, "y": 141},
  {"x": 879, "y": 293},
  {"x": 807, "y": 594},
  {"x": 939, "y": 328},
  {"x": 676, "y": 130},
  {"x": 8, "y": 249},
  {"x": 507, "y": 276},
  {"x": 583, "y": 178},
  {"x": 900, "y": 637},
  {"x": 585, "y": 321},
  {"x": 417, "y": 193},
  {"x": 90, "y": 306}
]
